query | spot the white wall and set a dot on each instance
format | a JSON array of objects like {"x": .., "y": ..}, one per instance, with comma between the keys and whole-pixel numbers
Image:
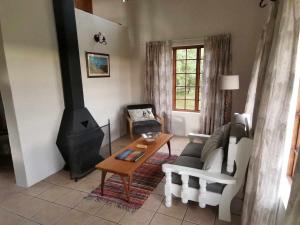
[
  {"x": 30, "y": 46},
  {"x": 17, "y": 154},
  {"x": 32, "y": 88},
  {"x": 106, "y": 97},
  {"x": 150, "y": 20}
]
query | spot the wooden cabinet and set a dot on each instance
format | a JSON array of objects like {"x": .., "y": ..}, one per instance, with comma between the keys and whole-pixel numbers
[{"x": 85, "y": 5}]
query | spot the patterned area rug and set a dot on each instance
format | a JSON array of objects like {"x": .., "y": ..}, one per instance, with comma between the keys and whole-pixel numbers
[{"x": 145, "y": 180}]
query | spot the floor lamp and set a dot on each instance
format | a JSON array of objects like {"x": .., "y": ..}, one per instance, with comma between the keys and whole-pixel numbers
[{"x": 227, "y": 84}]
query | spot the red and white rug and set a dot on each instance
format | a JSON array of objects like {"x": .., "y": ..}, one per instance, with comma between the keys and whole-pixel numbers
[{"x": 145, "y": 180}]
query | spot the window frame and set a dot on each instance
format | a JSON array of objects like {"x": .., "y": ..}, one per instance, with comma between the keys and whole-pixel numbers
[
  {"x": 295, "y": 145},
  {"x": 197, "y": 84}
]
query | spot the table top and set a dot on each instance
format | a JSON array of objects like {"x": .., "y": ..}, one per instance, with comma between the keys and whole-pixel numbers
[{"x": 111, "y": 164}]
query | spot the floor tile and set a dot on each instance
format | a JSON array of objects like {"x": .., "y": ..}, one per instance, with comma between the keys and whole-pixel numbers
[
  {"x": 75, "y": 217},
  {"x": 140, "y": 217},
  {"x": 200, "y": 216},
  {"x": 6, "y": 193},
  {"x": 177, "y": 210},
  {"x": 71, "y": 198},
  {"x": 99, "y": 221},
  {"x": 235, "y": 220},
  {"x": 61, "y": 178},
  {"x": 96, "y": 175},
  {"x": 86, "y": 184},
  {"x": 160, "y": 219},
  {"x": 160, "y": 189},
  {"x": 110, "y": 213},
  {"x": 19, "y": 204},
  {"x": 89, "y": 206},
  {"x": 50, "y": 214},
  {"x": 7, "y": 218},
  {"x": 153, "y": 202},
  {"x": 54, "y": 193},
  {"x": 38, "y": 188},
  {"x": 187, "y": 223}
]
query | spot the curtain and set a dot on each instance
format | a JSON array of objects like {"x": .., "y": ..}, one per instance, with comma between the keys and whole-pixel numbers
[
  {"x": 217, "y": 62},
  {"x": 292, "y": 214},
  {"x": 158, "y": 81},
  {"x": 265, "y": 167},
  {"x": 260, "y": 66}
]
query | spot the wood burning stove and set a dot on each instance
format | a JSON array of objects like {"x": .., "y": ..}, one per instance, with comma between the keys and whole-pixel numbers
[{"x": 79, "y": 138}]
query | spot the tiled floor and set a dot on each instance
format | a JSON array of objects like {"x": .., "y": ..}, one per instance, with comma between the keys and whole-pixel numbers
[{"x": 60, "y": 201}]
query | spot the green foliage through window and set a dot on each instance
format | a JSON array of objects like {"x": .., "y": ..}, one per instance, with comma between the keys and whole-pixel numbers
[{"x": 188, "y": 73}]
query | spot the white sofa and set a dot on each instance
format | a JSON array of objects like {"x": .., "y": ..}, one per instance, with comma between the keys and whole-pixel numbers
[{"x": 187, "y": 180}]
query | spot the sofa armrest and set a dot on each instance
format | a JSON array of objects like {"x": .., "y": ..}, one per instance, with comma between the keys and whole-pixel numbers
[
  {"x": 130, "y": 121},
  {"x": 201, "y": 137},
  {"x": 201, "y": 174}
]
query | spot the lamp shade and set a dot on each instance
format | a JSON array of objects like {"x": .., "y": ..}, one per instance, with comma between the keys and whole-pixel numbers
[{"x": 229, "y": 82}]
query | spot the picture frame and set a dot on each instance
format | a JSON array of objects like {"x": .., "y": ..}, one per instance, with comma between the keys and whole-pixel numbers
[{"x": 97, "y": 64}]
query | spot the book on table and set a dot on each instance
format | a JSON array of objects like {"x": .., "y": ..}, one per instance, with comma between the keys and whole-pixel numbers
[{"x": 130, "y": 155}]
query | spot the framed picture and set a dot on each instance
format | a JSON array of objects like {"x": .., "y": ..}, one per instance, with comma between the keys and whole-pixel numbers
[{"x": 97, "y": 64}]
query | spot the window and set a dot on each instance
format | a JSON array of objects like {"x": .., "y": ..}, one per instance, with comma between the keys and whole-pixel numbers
[{"x": 187, "y": 75}]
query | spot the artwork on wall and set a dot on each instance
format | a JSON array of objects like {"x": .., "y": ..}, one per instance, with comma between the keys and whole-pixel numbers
[{"x": 97, "y": 64}]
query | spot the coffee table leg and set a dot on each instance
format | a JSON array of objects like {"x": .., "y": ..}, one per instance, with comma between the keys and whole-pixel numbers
[
  {"x": 169, "y": 147},
  {"x": 102, "y": 181},
  {"x": 127, "y": 186}
]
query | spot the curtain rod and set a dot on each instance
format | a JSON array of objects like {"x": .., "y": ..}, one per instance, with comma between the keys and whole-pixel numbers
[{"x": 190, "y": 39}]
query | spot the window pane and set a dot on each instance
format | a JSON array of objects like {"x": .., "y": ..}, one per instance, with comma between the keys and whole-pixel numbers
[
  {"x": 179, "y": 104},
  {"x": 191, "y": 66},
  {"x": 199, "y": 106},
  {"x": 190, "y": 104},
  {"x": 180, "y": 54},
  {"x": 180, "y": 79},
  {"x": 202, "y": 53},
  {"x": 201, "y": 66},
  {"x": 180, "y": 93},
  {"x": 191, "y": 80},
  {"x": 190, "y": 92},
  {"x": 192, "y": 53},
  {"x": 180, "y": 66}
]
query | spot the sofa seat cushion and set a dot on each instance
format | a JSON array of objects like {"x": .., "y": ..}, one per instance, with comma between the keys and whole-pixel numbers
[
  {"x": 188, "y": 161},
  {"x": 193, "y": 150},
  {"x": 194, "y": 181},
  {"x": 141, "y": 127}
]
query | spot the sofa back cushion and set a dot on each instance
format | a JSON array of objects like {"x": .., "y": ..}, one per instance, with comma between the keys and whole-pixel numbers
[
  {"x": 141, "y": 106},
  {"x": 214, "y": 161},
  {"x": 218, "y": 139},
  {"x": 141, "y": 114}
]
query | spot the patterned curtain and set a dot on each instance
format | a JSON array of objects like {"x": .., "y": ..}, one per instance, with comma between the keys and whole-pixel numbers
[
  {"x": 260, "y": 67},
  {"x": 158, "y": 81},
  {"x": 265, "y": 167},
  {"x": 292, "y": 214},
  {"x": 217, "y": 62}
]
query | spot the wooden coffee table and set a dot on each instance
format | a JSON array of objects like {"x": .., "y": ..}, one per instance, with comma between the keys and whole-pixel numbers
[{"x": 126, "y": 169}]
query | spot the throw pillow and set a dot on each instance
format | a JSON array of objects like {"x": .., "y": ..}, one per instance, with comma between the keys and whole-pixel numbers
[
  {"x": 213, "y": 162},
  {"x": 215, "y": 141},
  {"x": 141, "y": 114}
]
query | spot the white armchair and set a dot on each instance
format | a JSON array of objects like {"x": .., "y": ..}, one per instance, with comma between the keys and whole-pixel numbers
[{"x": 186, "y": 179}]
